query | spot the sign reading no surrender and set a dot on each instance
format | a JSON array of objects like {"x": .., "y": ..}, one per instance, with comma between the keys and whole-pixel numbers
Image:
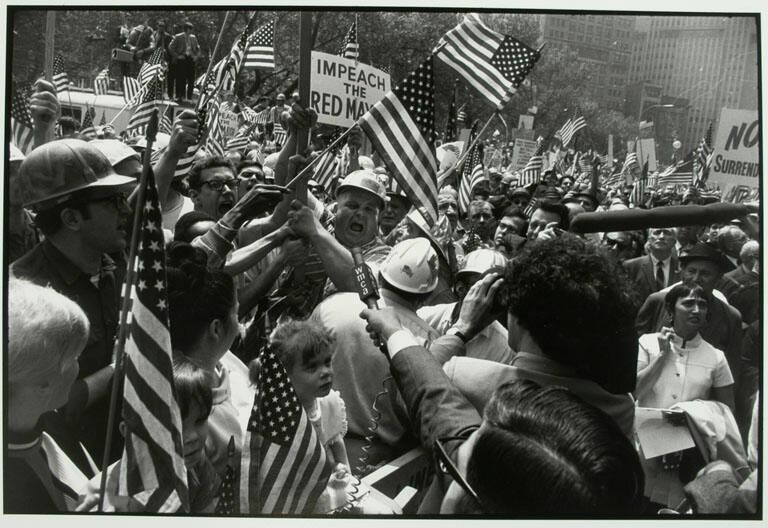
[{"x": 342, "y": 90}]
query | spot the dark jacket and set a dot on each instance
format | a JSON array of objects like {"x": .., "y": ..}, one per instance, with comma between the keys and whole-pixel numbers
[{"x": 643, "y": 275}]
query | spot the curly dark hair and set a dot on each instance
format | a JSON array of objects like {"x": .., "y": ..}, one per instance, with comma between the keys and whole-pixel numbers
[{"x": 574, "y": 301}]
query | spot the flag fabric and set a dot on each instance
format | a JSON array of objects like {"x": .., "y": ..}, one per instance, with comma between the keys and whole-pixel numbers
[
  {"x": 493, "y": 63},
  {"x": 87, "y": 129},
  {"x": 152, "y": 469},
  {"x": 166, "y": 125},
  {"x": 472, "y": 173},
  {"x": 630, "y": 162},
  {"x": 101, "y": 82},
  {"x": 450, "y": 123},
  {"x": 131, "y": 88},
  {"x": 261, "y": 48},
  {"x": 241, "y": 138},
  {"x": 703, "y": 158},
  {"x": 214, "y": 144},
  {"x": 154, "y": 67},
  {"x": 402, "y": 129},
  {"x": 350, "y": 48},
  {"x": 531, "y": 173},
  {"x": 569, "y": 129},
  {"x": 639, "y": 187},
  {"x": 284, "y": 466},
  {"x": 22, "y": 128},
  {"x": 227, "y": 504},
  {"x": 137, "y": 124},
  {"x": 280, "y": 134},
  {"x": 531, "y": 207},
  {"x": 103, "y": 120},
  {"x": 326, "y": 169},
  {"x": 60, "y": 77},
  {"x": 461, "y": 116},
  {"x": 188, "y": 158}
]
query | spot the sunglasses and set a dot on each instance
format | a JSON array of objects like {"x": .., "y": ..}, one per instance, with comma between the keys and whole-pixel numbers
[
  {"x": 218, "y": 185},
  {"x": 446, "y": 466}
]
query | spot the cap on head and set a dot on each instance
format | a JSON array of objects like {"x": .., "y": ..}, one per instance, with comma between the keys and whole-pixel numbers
[
  {"x": 481, "y": 260},
  {"x": 56, "y": 170},
  {"x": 411, "y": 266},
  {"x": 365, "y": 180},
  {"x": 520, "y": 191},
  {"x": 703, "y": 251}
]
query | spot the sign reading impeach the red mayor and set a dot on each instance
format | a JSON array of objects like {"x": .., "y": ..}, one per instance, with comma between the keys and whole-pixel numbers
[
  {"x": 736, "y": 155},
  {"x": 342, "y": 90}
]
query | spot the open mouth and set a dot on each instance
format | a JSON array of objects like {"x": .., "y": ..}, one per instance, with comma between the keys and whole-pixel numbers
[
  {"x": 356, "y": 227},
  {"x": 225, "y": 206}
]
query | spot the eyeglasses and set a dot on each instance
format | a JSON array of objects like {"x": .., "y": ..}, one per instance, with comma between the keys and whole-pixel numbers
[
  {"x": 447, "y": 467},
  {"x": 218, "y": 185}
]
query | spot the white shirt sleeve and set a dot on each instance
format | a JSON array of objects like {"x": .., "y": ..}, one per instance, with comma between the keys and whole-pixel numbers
[{"x": 400, "y": 340}]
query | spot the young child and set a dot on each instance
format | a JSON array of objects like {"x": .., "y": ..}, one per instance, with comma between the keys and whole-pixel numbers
[
  {"x": 195, "y": 399},
  {"x": 306, "y": 349}
]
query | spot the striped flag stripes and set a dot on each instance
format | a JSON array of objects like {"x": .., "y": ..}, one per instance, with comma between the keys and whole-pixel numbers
[
  {"x": 280, "y": 134},
  {"x": 60, "y": 77},
  {"x": 131, "y": 88},
  {"x": 284, "y": 467},
  {"x": 531, "y": 173},
  {"x": 350, "y": 48},
  {"x": 152, "y": 469},
  {"x": 260, "y": 52},
  {"x": 402, "y": 129},
  {"x": 101, "y": 82},
  {"x": 471, "y": 174},
  {"x": 87, "y": 128},
  {"x": 325, "y": 170},
  {"x": 154, "y": 67},
  {"x": 569, "y": 129},
  {"x": 22, "y": 128},
  {"x": 493, "y": 63},
  {"x": 137, "y": 124}
]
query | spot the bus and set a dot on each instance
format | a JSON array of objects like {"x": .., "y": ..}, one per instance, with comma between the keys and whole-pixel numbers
[{"x": 111, "y": 106}]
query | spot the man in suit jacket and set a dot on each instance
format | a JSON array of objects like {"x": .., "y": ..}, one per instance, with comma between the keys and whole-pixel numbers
[
  {"x": 742, "y": 286},
  {"x": 183, "y": 51},
  {"x": 659, "y": 268}
]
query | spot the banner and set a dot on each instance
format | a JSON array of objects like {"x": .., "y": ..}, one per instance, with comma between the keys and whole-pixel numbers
[
  {"x": 736, "y": 155},
  {"x": 521, "y": 153},
  {"x": 342, "y": 90},
  {"x": 228, "y": 122}
]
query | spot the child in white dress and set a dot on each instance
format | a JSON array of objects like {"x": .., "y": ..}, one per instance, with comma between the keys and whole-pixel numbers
[{"x": 306, "y": 349}]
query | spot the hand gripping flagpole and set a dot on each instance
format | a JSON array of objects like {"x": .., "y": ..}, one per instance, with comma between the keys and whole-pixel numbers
[
  {"x": 306, "y": 170},
  {"x": 130, "y": 278}
]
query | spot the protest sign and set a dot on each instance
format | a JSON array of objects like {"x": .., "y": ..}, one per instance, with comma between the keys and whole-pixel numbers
[
  {"x": 342, "y": 90},
  {"x": 735, "y": 156},
  {"x": 521, "y": 153},
  {"x": 228, "y": 122}
]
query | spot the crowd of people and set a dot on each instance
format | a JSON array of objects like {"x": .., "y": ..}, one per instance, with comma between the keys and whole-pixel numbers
[{"x": 512, "y": 351}]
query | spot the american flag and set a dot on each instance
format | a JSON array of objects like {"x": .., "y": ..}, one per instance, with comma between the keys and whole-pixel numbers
[
  {"x": 630, "y": 162},
  {"x": 103, "y": 120},
  {"x": 450, "y": 123},
  {"x": 166, "y": 124},
  {"x": 350, "y": 48},
  {"x": 531, "y": 207},
  {"x": 131, "y": 88},
  {"x": 703, "y": 157},
  {"x": 472, "y": 173},
  {"x": 585, "y": 164},
  {"x": 402, "y": 129},
  {"x": 284, "y": 465},
  {"x": 493, "y": 63},
  {"x": 152, "y": 469},
  {"x": 101, "y": 82},
  {"x": 227, "y": 504},
  {"x": 188, "y": 158},
  {"x": 280, "y": 134},
  {"x": 60, "y": 77},
  {"x": 461, "y": 115},
  {"x": 241, "y": 138},
  {"x": 638, "y": 188},
  {"x": 569, "y": 129},
  {"x": 22, "y": 128},
  {"x": 214, "y": 144},
  {"x": 87, "y": 130},
  {"x": 137, "y": 124},
  {"x": 261, "y": 48},
  {"x": 154, "y": 67},
  {"x": 326, "y": 169},
  {"x": 531, "y": 173}
]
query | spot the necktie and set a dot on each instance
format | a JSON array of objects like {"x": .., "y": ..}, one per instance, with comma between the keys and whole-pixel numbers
[{"x": 660, "y": 282}]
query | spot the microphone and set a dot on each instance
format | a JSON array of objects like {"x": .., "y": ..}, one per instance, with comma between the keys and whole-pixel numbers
[{"x": 365, "y": 281}]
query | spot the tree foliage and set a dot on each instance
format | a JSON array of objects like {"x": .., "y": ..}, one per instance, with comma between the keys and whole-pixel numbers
[{"x": 393, "y": 40}]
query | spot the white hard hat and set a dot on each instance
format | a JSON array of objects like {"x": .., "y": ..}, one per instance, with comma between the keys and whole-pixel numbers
[
  {"x": 365, "y": 180},
  {"x": 271, "y": 160},
  {"x": 481, "y": 260},
  {"x": 365, "y": 162},
  {"x": 412, "y": 266}
]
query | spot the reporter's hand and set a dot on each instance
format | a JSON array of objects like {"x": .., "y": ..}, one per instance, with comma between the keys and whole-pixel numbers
[
  {"x": 44, "y": 105},
  {"x": 550, "y": 232},
  {"x": 381, "y": 324},
  {"x": 261, "y": 198},
  {"x": 302, "y": 220},
  {"x": 184, "y": 133},
  {"x": 477, "y": 308}
]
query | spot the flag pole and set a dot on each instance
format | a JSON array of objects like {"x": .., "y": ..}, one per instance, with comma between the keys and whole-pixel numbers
[
  {"x": 211, "y": 63},
  {"x": 477, "y": 138},
  {"x": 130, "y": 277},
  {"x": 129, "y": 103},
  {"x": 305, "y": 170}
]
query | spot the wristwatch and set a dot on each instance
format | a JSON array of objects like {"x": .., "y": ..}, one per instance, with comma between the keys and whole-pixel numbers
[{"x": 456, "y": 332}]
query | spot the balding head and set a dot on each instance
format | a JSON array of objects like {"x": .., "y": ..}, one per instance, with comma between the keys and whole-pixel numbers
[
  {"x": 749, "y": 253},
  {"x": 731, "y": 239}
]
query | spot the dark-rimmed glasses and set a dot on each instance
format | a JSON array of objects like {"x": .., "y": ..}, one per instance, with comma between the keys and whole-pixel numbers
[
  {"x": 446, "y": 466},
  {"x": 218, "y": 185}
]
